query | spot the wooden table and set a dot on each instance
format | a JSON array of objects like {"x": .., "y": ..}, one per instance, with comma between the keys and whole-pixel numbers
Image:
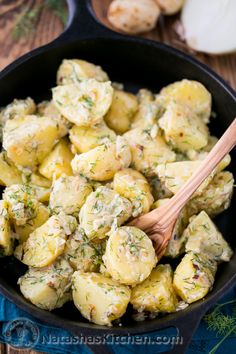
[{"x": 49, "y": 27}]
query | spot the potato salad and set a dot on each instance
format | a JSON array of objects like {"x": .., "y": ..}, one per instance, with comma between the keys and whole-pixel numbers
[{"x": 79, "y": 167}]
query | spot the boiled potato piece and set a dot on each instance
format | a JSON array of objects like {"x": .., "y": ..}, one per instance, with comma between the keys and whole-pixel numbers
[
  {"x": 29, "y": 139},
  {"x": 130, "y": 256},
  {"x": 203, "y": 237},
  {"x": 194, "y": 277},
  {"x": 48, "y": 109},
  {"x": 69, "y": 193},
  {"x": 72, "y": 71},
  {"x": 175, "y": 175},
  {"x": 149, "y": 111},
  {"x": 156, "y": 293},
  {"x": 87, "y": 138},
  {"x": 58, "y": 162},
  {"x": 83, "y": 254},
  {"x": 6, "y": 239},
  {"x": 23, "y": 231},
  {"x": 190, "y": 93},
  {"x": 132, "y": 16},
  {"x": 216, "y": 197},
  {"x": 102, "y": 162},
  {"x": 48, "y": 288},
  {"x": 177, "y": 241},
  {"x": 99, "y": 299},
  {"x": 170, "y": 7},
  {"x": 123, "y": 107},
  {"x": 148, "y": 150},
  {"x": 22, "y": 202},
  {"x": 9, "y": 173},
  {"x": 183, "y": 129},
  {"x": 103, "y": 209},
  {"x": 38, "y": 180},
  {"x": 84, "y": 103},
  {"x": 133, "y": 185},
  {"x": 16, "y": 108},
  {"x": 48, "y": 241}
]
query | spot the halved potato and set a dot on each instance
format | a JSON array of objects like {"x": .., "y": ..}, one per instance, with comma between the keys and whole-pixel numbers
[
  {"x": 99, "y": 299},
  {"x": 156, "y": 293},
  {"x": 6, "y": 239},
  {"x": 130, "y": 256},
  {"x": 9, "y": 173}
]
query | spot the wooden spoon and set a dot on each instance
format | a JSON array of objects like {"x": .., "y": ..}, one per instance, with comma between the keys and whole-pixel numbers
[{"x": 159, "y": 223}]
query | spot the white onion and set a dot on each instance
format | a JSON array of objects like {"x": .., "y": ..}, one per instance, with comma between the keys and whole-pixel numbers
[{"x": 210, "y": 25}]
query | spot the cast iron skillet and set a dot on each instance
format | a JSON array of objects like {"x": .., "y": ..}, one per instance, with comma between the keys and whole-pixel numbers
[{"x": 138, "y": 63}]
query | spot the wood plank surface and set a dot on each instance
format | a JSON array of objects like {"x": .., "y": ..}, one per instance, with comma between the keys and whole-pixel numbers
[{"x": 48, "y": 27}]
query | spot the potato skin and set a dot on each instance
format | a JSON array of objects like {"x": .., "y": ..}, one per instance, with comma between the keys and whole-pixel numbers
[
  {"x": 133, "y": 16},
  {"x": 99, "y": 299},
  {"x": 48, "y": 288},
  {"x": 72, "y": 71},
  {"x": 9, "y": 173},
  {"x": 84, "y": 103},
  {"x": 194, "y": 277},
  {"x": 87, "y": 138},
  {"x": 82, "y": 253},
  {"x": 103, "y": 209},
  {"x": 48, "y": 241},
  {"x": 123, "y": 107},
  {"x": 6, "y": 238},
  {"x": 133, "y": 185},
  {"x": 130, "y": 256},
  {"x": 58, "y": 162},
  {"x": 102, "y": 162},
  {"x": 29, "y": 139},
  {"x": 69, "y": 193},
  {"x": 148, "y": 150},
  {"x": 170, "y": 7},
  {"x": 190, "y": 93},
  {"x": 156, "y": 293}
]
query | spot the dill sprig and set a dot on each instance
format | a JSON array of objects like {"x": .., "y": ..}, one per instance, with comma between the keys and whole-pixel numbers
[
  {"x": 223, "y": 325},
  {"x": 26, "y": 21}
]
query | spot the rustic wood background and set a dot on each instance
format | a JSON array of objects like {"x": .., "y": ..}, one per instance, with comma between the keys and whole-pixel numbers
[{"x": 49, "y": 27}]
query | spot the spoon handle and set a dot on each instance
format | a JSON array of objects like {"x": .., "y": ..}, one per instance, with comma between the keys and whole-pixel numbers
[{"x": 222, "y": 148}]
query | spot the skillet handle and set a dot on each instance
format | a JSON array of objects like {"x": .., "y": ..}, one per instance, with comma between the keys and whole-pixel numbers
[{"x": 83, "y": 24}]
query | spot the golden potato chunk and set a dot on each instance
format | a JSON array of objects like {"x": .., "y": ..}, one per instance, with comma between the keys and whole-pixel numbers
[
  {"x": 83, "y": 254},
  {"x": 133, "y": 185},
  {"x": 130, "y": 256},
  {"x": 190, "y": 93},
  {"x": 48, "y": 288},
  {"x": 123, "y": 107},
  {"x": 58, "y": 162},
  {"x": 69, "y": 193},
  {"x": 87, "y": 138},
  {"x": 48, "y": 109},
  {"x": 194, "y": 277},
  {"x": 170, "y": 7},
  {"x": 22, "y": 202},
  {"x": 183, "y": 129},
  {"x": 102, "y": 162},
  {"x": 29, "y": 139},
  {"x": 17, "y": 108},
  {"x": 103, "y": 209},
  {"x": 84, "y": 103},
  {"x": 48, "y": 241},
  {"x": 149, "y": 111},
  {"x": 175, "y": 175},
  {"x": 99, "y": 299},
  {"x": 72, "y": 71},
  {"x": 156, "y": 293},
  {"x": 23, "y": 231},
  {"x": 216, "y": 197},
  {"x": 148, "y": 149},
  {"x": 9, "y": 173},
  {"x": 6, "y": 239},
  {"x": 203, "y": 237}
]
